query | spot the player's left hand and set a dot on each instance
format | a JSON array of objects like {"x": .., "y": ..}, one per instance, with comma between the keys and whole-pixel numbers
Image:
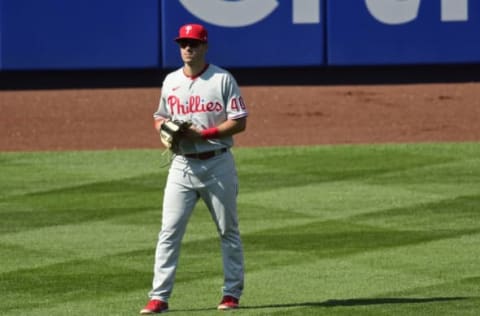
[{"x": 172, "y": 131}]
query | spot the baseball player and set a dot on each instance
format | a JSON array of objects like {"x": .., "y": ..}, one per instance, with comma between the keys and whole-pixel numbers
[{"x": 202, "y": 166}]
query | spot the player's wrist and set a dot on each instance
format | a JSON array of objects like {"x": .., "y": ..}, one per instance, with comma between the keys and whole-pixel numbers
[{"x": 211, "y": 132}]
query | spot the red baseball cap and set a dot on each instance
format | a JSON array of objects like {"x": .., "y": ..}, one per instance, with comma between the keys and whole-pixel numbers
[{"x": 192, "y": 31}]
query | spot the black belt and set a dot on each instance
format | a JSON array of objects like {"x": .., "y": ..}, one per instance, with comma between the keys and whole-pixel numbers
[{"x": 206, "y": 154}]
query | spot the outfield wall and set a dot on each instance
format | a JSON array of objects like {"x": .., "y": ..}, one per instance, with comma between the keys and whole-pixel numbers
[{"x": 126, "y": 34}]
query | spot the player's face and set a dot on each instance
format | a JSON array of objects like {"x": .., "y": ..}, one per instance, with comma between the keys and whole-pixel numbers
[{"x": 192, "y": 51}]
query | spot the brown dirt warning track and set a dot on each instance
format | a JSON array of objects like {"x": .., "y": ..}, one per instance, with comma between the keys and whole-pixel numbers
[{"x": 279, "y": 115}]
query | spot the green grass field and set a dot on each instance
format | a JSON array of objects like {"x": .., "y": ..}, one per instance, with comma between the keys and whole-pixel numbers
[{"x": 327, "y": 230}]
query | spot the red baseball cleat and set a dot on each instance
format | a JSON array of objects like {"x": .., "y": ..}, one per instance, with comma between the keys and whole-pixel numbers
[
  {"x": 155, "y": 307},
  {"x": 228, "y": 302}
]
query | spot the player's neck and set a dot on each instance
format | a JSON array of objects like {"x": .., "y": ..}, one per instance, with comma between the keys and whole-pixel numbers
[{"x": 193, "y": 70}]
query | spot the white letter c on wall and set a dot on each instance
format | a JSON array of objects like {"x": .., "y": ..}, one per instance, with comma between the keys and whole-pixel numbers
[
  {"x": 230, "y": 13},
  {"x": 393, "y": 11}
]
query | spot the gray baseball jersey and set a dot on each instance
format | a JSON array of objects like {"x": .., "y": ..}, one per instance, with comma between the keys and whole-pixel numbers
[{"x": 206, "y": 100}]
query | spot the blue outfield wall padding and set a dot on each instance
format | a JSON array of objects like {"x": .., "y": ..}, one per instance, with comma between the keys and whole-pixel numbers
[
  {"x": 392, "y": 32},
  {"x": 250, "y": 33},
  {"x": 124, "y": 34},
  {"x": 79, "y": 34}
]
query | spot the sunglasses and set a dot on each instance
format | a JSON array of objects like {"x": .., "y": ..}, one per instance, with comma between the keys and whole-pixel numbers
[{"x": 190, "y": 43}]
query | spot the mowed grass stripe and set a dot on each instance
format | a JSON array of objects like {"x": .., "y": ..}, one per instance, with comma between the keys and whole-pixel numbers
[
  {"x": 328, "y": 230},
  {"x": 435, "y": 218},
  {"x": 27, "y": 172}
]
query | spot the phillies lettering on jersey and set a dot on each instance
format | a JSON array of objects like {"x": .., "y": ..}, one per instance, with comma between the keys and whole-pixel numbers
[{"x": 194, "y": 105}]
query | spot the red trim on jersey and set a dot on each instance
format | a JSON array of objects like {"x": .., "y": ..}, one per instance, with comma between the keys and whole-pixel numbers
[{"x": 197, "y": 75}]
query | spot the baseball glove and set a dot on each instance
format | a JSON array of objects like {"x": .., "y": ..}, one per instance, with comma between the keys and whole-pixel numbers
[{"x": 171, "y": 133}]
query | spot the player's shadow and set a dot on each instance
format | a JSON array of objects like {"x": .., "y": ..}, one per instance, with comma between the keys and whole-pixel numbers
[
  {"x": 361, "y": 302},
  {"x": 346, "y": 302}
]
